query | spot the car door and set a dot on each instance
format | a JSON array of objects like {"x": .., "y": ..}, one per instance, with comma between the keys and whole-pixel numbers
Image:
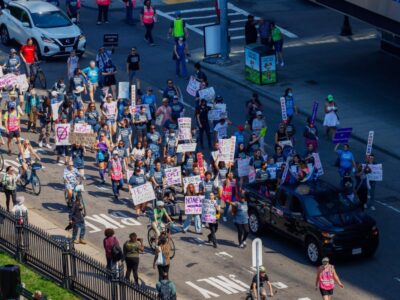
[
  {"x": 260, "y": 205},
  {"x": 14, "y": 28},
  {"x": 26, "y": 26},
  {"x": 295, "y": 219},
  {"x": 280, "y": 210}
]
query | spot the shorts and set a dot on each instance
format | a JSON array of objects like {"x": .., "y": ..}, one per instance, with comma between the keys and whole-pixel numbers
[
  {"x": 13, "y": 134},
  {"x": 263, "y": 291},
  {"x": 110, "y": 122},
  {"x": 93, "y": 85},
  {"x": 27, "y": 161},
  {"x": 326, "y": 292},
  {"x": 278, "y": 45}
]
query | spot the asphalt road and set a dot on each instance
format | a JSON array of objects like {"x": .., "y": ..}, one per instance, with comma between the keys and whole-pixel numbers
[{"x": 200, "y": 271}]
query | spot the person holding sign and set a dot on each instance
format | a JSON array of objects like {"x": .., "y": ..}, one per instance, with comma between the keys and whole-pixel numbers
[
  {"x": 331, "y": 120},
  {"x": 110, "y": 112},
  {"x": 345, "y": 159},
  {"x": 213, "y": 210},
  {"x": 370, "y": 160},
  {"x": 202, "y": 122},
  {"x": 291, "y": 107},
  {"x": 137, "y": 179},
  {"x": 191, "y": 191}
]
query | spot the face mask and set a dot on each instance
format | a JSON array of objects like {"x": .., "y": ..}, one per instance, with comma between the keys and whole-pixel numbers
[{"x": 290, "y": 94}]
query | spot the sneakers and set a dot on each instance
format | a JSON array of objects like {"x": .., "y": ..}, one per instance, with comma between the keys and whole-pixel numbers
[
  {"x": 224, "y": 219},
  {"x": 76, "y": 242},
  {"x": 215, "y": 246},
  {"x": 244, "y": 244},
  {"x": 241, "y": 245},
  {"x": 48, "y": 146},
  {"x": 373, "y": 208},
  {"x": 82, "y": 241},
  {"x": 41, "y": 144},
  {"x": 282, "y": 64}
]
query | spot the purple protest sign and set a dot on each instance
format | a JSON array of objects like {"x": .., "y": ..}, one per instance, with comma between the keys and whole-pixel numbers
[
  {"x": 342, "y": 135},
  {"x": 314, "y": 112}
]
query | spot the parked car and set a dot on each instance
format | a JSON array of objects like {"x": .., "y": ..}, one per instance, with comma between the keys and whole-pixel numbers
[
  {"x": 317, "y": 216},
  {"x": 53, "y": 33}
]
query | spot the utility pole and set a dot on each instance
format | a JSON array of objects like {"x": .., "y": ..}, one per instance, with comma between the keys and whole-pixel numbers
[{"x": 223, "y": 6}]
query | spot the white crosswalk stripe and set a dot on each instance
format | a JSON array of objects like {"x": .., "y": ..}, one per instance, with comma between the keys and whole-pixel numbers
[{"x": 197, "y": 18}]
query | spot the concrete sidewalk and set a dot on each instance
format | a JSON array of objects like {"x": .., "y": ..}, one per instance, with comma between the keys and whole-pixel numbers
[{"x": 360, "y": 77}]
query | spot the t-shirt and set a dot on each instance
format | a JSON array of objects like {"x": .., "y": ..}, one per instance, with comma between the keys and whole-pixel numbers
[
  {"x": 92, "y": 74},
  {"x": 263, "y": 280},
  {"x": 160, "y": 213},
  {"x": 177, "y": 109},
  {"x": 222, "y": 130},
  {"x": 289, "y": 105},
  {"x": 346, "y": 159},
  {"x": 28, "y": 52},
  {"x": 132, "y": 249},
  {"x": 137, "y": 180},
  {"x": 241, "y": 216},
  {"x": 276, "y": 34},
  {"x": 133, "y": 61},
  {"x": 158, "y": 175}
]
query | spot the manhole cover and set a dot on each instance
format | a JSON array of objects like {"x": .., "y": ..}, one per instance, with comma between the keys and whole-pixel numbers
[{"x": 311, "y": 81}]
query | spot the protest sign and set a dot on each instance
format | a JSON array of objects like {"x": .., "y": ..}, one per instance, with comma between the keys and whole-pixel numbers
[
  {"x": 22, "y": 83},
  {"x": 271, "y": 169},
  {"x": 62, "y": 134},
  {"x": 207, "y": 94},
  {"x": 159, "y": 120},
  {"x": 82, "y": 128},
  {"x": 186, "y": 148},
  {"x": 283, "y": 108},
  {"x": 370, "y": 142},
  {"x": 285, "y": 143},
  {"x": 215, "y": 114},
  {"x": 193, "y": 86},
  {"x": 8, "y": 80},
  {"x": 142, "y": 193},
  {"x": 193, "y": 205},
  {"x": 195, "y": 180},
  {"x": 227, "y": 149},
  {"x": 314, "y": 112},
  {"x": 200, "y": 163},
  {"x": 133, "y": 95},
  {"x": 243, "y": 167},
  {"x": 376, "y": 172},
  {"x": 185, "y": 129},
  {"x": 54, "y": 109},
  {"x": 318, "y": 164},
  {"x": 208, "y": 212},
  {"x": 129, "y": 174},
  {"x": 123, "y": 90},
  {"x": 173, "y": 176},
  {"x": 342, "y": 135},
  {"x": 252, "y": 174},
  {"x": 83, "y": 138}
]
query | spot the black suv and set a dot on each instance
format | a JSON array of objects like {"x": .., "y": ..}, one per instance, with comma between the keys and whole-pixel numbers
[{"x": 316, "y": 215}]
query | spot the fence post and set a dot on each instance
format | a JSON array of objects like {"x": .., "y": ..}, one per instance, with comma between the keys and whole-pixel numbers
[
  {"x": 66, "y": 262},
  {"x": 115, "y": 281}
]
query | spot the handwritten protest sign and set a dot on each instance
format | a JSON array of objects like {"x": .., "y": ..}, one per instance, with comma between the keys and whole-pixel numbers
[
  {"x": 62, "y": 134},
  {"x": 207, "y": 94},
  {"x": 82, "y": 128},
  {"x": 318, "y": 164},
  {"x": 195, "y": 180},
  {"x": 142, "y": 193},
  {"x": 82, "y": 138},
  {"x": 185, "y": 129},
  {"x": 215, "y": 114},
  {"x": 370, "y": 142},
  {"x": 227, "y": 149},
  {"x": 123, "y": 90},
  {"x": 208, "y": 212},
  {"x": 193, "y": 86},
  {"x": 173, "y": 176},
  {"x": 314, "y": 112},
  {"x": 342, "y": 135},
  {"x": 22, "y": 83},
  {"x": 283, "y": 108},
  {"x": 243, "y": 167},
  {"x": 193, "y": 205},
  {"x": 376, "y": 172},
  {"x": 186, "y": 148},
  {"x": 8, "y": 80}
]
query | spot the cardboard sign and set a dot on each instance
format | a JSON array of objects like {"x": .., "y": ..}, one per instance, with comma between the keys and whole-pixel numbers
[
  {"x": 195, "y": 180},
  {"x": 22, "y": 83},
  {"x": 314, "y": 112},
  {"x": 283, "y": 108},
  {"x": 8, "y": 80},
  {"x": 184, "y": 129},
  {"x": 62, "y": 132},
  {"x": 159, "y": 120},
  {"x": 110, "y": 39},
  {"x": 342, "y": 135},
  {"x": 376, "y": 172},
  {"x": 207, "y": 94},
  {"x": 193, "y": 205},
  {"x": 82, "y": 128},
  {"x": 133, "y": 95},
  {"x": 368, "y": 151},
  {"x": 208, "y": 212},
  {"x": 193, "y": 86},
  {"x": 173, "y": 176},
  {"x": 142, "y": 193},
  {"x": 227, "y": 149},
  {"x": 186, "y": 148},
  {"x": 123, "y": 90},
  {"x": 243, "y": 167},
  {"x": 83, "y": 138},
  {"x": 200, "y": 164},
  {"x": 216, "y": 114},
  {"x": 318, "y": 164}
]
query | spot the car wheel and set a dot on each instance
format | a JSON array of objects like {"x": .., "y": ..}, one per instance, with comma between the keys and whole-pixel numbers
[
  {"x": 313, "y": 251},
  {"x": 254, "y": 222},
  {"x": 5, "y": 36}
]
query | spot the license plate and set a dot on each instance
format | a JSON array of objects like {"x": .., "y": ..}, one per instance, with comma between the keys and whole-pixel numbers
[
  {"x": 69, "y": 49},
  {"x": 356, "y": 251}
]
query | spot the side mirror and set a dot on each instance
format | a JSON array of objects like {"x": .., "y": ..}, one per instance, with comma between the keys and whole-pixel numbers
[{"x": 26, "y": 24}]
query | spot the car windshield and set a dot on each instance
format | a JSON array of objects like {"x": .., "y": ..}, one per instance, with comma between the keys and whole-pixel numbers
[
  {"x": 327, "y": 203},
  {"x": 50, "y": 19}
]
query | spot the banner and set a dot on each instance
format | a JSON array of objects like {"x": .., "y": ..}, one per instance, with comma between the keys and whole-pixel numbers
[
  {"x": 82, "y": 128},
  {"x": 243, "y": 167},
  {"x": 208, "y": 212},
  {"x": 62, "y": 134},
  {"x": 370, "y": 142},
  {"x": 193, "y": 205},
  {"x": 186, "y": 148},
  {"x": 193, "y": 86},
  {"x": 133, "y": 95},
  {"x": 83, "y": 138},
  {"x": 195, "y": 180},
  {"x": 142, "y": 193},
  {"x": 185, "y": 129},
  {"x": 342, "y": 135},
  {"x": 283, "y": 109},
  {"x": 314, "y": 112},
  {"x": 227, "y": 149},
  {"x": 207, "y": 94},
  {"x": 173, "y": 176},
  {"x": 318, "y": 164},
  {"x": 22, "y": 83},
  {"x": 8, "y": 80},
  {"x": 376, "y": 172},
  {"x": 123, "y": 90}
]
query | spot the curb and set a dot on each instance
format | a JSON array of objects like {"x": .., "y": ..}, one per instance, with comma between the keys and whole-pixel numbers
[
  {"x": 301, "y": 112},
  {"x": 109, "y": 9}
]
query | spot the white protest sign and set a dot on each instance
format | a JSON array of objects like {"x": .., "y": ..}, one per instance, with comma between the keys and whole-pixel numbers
[
  {"x": 123, "y": 90},
  {"x": 62, "y": 134},
  {"x": 185, "y": 129},
  {"x": 22, "y": 83},
  {"x": 159, "y": 120},
  {"x": 133, "y": 95},
  {"x": 8, "y": 80},
  {"x": 243, "y": 167},
  {"x": 318, "y": 164},
  {"x": 207, "y": 94},
  {"x": 227, "y": 149},
  {"x": 173, "y": 176},
  {"x": 186, "y": 148},
  {"x": 193, "y": 86},
  {"x": 208, "y": 213},
  {"x": 193, "y": 205},
  {"x": 195, "y": 180},
  {"x": 283, "y": 108},
  {"x": 368, "y": 151},
  {"x": 215, "y": 114},
  {"x": 142, "y": 193},
  {"x": 376, "y": 172},
  {"x": 82, "y": 128},
  {"x": 110, "y": 109},
  {"x": 129, "y": 174}
]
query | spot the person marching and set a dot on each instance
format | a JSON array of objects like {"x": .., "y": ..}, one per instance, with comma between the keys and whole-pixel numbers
[
  {"x": 116, "y": 170},
  {"x": 148, "y": 18},
  {"x": 178, "y": 28},
  {"x": 331, "y": 119},
  {"x": 326, "y": 277}
]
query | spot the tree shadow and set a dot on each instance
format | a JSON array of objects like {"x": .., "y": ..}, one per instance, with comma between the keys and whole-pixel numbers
[{"x": 56, "y": 207}]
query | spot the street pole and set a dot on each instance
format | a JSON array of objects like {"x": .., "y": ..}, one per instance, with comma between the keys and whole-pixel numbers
[
  {"x": 223, "y": 6},
  {"x": 258, "y": 274}
]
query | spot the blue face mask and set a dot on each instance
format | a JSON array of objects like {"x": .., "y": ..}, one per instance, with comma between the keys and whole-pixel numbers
[{"x": 290, "y": 94}]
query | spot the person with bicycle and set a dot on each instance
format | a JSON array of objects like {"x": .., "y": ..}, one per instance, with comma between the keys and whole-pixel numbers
[
  {"x": 264, "y": 283},
  {"x": 29, "y": 56},
  {"x": 71, "y": 175},
  {"x": 158, "y": 215},
  {"x": 13, "y": 63},
  {"x": 25, "y": 157}
]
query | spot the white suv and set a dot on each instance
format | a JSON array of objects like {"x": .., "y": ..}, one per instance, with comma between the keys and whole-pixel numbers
[{"x": 50, "y": 28}]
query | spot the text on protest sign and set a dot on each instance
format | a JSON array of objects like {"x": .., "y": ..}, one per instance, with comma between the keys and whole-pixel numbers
[
  {"x": 207, "y": 94},
  {"x": 62, "y": 134},
  {"x": 227, "y": 149},
  {"x": 193, "y": 205},
  {"x": 342, "y": 135},
  {"x": 142, "y": 193},
  {"x": 376, "y": 172},
  {"x": 195, "y": 180},
  {"x": 314, "y": 112},
  {"x": 193, "y": 86},
  {"x": 82, "y": 128},
  {"x": 173, "y": 176},
  {"x": 209, "y": 212},
  {"x": 318, "y": 164},
  {"x": 200, "y": 164},
  {"x": 186, "y": 148},
  {"x": 133, "y": 95},
  {"x": 243, "y": 167},
  {"x": 185, "y": 129},
  {"x": 283, "y": 109},
  {"x": 370, "y": 142}
]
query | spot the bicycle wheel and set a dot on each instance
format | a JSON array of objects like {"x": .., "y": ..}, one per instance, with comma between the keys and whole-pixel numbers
[
  {"x": 36, "y": 188},
  {"x": 1, "y": 162},
  {"x": 152, "y": 237},
  {"x": 42, "y": 79},
  {"x": 171, "y": 247},
  {"x": 22, "y": 181}
]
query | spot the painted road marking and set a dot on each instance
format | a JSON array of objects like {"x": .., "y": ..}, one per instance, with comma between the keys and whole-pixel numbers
[
  {"x": 101, "y": 188},
  {"x": 397, "y": 279},
  {"x": 279, "y": 285},
  {"x": 110, "y": 221},
  {"x": 215, "y": 16},
  {"x": 306, "y": 298},
  {"x": 388, "y": 206},
  {"x": 222, "y": 254},
  {"x": 8, "y": 162}
]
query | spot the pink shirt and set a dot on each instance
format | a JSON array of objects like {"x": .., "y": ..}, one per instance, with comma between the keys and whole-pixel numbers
[
  {"x": 166, "y": 112},
  {"x": 103, "y": 2}
]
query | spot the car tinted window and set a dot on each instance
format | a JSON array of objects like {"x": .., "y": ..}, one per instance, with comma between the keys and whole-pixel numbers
[
  {"x": 51, "y": 19},
  {"x": 295, "y": 205},
  {"x": 25, "y": 17},
  {"x": 326, "y": 203},
  {"x": 15, "y": 12}
]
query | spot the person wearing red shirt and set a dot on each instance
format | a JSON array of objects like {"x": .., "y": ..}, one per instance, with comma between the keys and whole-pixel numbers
[
  {"x": 29, "y": 56},
  {"x": 102, "y": 11}
]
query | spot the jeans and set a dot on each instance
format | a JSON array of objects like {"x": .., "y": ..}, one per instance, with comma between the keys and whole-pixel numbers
[
  {"x": 205, "y": 129},
  {"x": 44, "y": 132},
  {"x": 226, "y": 209},
  {"x": 129, "y": 14},
  {"x": 371, "y": 194},
  {"x": 81, "y": 227},
  {"x": 102, "y": 13},
  {"x": 148, "y": 35},
  {"x": 161, "y": 271},
  {"x": 10, "y": 194},
  {"x": 243, "y": 232},
  {"x": 116, "y": 186},
  {"x": 197, "y": 223},
  {"x": 111, "y": 264},
  {"x": 213, "y": 230},
  {"x": 181, "y": 62}
]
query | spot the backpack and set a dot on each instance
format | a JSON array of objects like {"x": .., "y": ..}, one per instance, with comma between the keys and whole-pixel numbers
[
  {"x": 165, "y": 291},
  {"x": 116, "y": 252}
]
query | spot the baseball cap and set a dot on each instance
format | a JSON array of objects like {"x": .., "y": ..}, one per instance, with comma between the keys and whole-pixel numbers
[
  {"x": 325, "y": 260},
  {"x": 241, "y": 128},
  {"x": 330, "y": 98}
]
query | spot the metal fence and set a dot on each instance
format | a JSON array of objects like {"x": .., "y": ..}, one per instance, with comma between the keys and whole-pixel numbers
[{"x": 58, "y": 260}]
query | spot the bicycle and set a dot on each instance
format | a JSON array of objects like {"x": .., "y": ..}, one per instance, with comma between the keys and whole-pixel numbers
[
  {"x": 37, "y": 73},
  {"x": 166, "y": 231},
  {"x": 249, "y": 295},
  {"x": 76, "y": 194},
  {"x": 31, "y": 177}
]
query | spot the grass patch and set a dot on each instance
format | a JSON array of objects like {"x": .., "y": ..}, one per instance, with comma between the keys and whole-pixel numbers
[{"x": 34, "y": 281}]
